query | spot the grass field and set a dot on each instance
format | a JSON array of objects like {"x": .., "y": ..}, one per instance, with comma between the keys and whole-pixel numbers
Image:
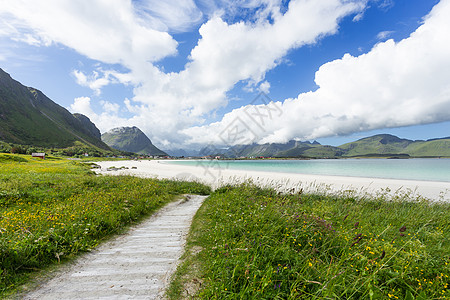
[
  {"x": 54, "y": 209},
  {"x": 245, "y": 242},
  {"x": 252, "y": 243}
]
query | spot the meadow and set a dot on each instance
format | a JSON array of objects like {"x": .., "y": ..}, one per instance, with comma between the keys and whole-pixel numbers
[
  {"x": 252, "y": 243},
  {"x": 54, "y": 209},
  {"x": 245, "y": 242}
]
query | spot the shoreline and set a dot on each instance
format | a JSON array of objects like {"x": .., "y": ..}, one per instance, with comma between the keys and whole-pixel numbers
[
  {"x": 202, "y": 161},
  {"x": 215, "y": 176}
]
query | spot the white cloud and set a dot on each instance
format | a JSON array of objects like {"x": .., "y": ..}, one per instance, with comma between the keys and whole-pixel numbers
[
  {"x": 93, "y": 81},
  {"x": 107, "y": 31},
  {"x": 109, "y": 107},
  {"x": 264, "y": 87},
  {"x": 383, "y": 35},
  {"x": 169, "y": 15},
  {"x": 106, "y": 120},
  {"x": 82, "y": 105},
  {"x": 101, "y": 78},
  {"x": 385, "y": 4},
  {"x": 110, "y": 31},
  {"x": 229, "y": 53},
  {"x": 395, "y": 84}
]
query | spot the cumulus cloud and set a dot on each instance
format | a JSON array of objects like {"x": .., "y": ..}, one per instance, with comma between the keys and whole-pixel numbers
[
  {"x": 107, "y": 31},
  {"x": 94, "y": 81},
  {"x": 393, "y": 85},
  {"x": 229, "y": 53},
  {"x": 100, "y": 78},
  {"x": 166, "y": 103},
  {"x": 109, "y": 118},
  {"x": 136, "y": 35}
]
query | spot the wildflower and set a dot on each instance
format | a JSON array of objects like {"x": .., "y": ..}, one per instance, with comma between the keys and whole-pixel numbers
[
  {"x": 357, "y": 241},
  {"x": 357, "y": 236}
]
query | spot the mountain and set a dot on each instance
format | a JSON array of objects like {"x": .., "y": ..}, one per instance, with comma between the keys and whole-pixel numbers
[
  {"x": 281, "y": 150},
  {"x": 182, "y": 152},
  {"x": 90, "y": 127},
  {"x": 390, "y": 144},
  {"x": 28, "y": 117},
  {"x": 435, "y": 147},
  {"x": 131, "y": 139},
  {"x": 377, "y": 144},
  {"x": 384, "y": 145}
]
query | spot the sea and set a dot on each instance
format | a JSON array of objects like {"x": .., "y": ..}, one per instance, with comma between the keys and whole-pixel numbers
[{"x": 428, "y": 169}]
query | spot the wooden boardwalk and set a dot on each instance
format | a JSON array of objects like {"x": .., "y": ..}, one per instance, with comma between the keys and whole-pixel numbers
[{"x": 136, "y": 265}]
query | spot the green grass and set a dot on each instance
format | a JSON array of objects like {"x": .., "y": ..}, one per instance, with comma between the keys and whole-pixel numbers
[
  {"x": 51, "y": 210},
  {"x": 253, "y": 243}
]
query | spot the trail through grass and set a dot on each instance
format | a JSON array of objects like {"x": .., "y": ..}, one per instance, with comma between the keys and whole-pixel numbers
[
  {"x": 53, "y": 209},
  {"x": 253, "y": 243}
]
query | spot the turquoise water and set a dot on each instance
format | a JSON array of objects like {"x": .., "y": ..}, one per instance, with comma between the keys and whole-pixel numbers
[{"x": 410, "y": 169}]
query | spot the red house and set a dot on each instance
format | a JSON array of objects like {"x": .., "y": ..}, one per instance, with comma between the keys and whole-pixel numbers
[{"x": 40, "y": 155}]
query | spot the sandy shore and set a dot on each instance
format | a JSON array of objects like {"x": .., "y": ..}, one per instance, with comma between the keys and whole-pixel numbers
[{"x": 209, "y": 173}]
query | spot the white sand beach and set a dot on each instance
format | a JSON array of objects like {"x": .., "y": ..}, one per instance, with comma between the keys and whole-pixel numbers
[{"x": 209, "y": 173}]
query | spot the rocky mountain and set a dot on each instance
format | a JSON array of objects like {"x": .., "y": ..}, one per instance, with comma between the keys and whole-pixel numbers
[
  {"x": 93, "y": 130},
  {"x": 131, "y": 139},
  {"x": 29, "y": 117}
]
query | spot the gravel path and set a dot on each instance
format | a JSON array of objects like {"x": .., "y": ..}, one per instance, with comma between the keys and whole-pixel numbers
[{"x": 136, "y": 265}]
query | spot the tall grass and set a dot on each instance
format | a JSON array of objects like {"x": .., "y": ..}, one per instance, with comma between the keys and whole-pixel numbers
[
  {"x": 253, "y": 243},
  {"x": 54, "y": 209}
]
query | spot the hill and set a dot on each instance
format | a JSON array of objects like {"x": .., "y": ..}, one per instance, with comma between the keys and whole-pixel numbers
[
  {"x": 377, "y": 144},
  {"x": 381, "y": 145},
  {"x": 384, "y": 144},
  {"x": 28, "y": 117},
  {"x": 131, "y": 139}
]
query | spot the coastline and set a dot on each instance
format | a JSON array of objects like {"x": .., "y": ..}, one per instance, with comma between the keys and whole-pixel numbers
[{"x": 211, "y": 174}]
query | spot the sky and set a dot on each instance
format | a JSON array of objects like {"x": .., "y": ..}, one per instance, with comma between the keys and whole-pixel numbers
[{"x": 191, "y": 73}]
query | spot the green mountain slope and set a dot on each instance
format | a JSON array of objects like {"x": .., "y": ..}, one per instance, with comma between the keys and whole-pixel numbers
[
  {"x": 389, "y": 144},
  {"x": 28, "y": 117},
  {"x": 324, "y": 151},
  {"x": 131, "y": 139},
  {"x": 377, "y": 144},
  {"x": 438, "y": 147}
]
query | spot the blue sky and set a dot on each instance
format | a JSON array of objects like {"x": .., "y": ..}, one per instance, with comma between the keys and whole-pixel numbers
[{"x": 188, "y": 73}]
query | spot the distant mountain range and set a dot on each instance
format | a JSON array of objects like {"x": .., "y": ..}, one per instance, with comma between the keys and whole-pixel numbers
[
  {"x": 382, "y": 145},
  {"x": 131, "y": 139},
  {"x": 28, "y": 117}
]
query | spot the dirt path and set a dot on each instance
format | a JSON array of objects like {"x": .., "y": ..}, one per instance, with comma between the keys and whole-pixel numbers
[{"x": 136, "y": 265}]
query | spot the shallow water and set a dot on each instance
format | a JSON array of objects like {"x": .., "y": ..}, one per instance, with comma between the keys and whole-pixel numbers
[{"x": 409, "y": 169}]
